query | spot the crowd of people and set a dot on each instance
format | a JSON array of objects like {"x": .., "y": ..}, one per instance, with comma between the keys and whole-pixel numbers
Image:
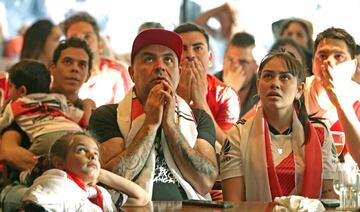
[{"x": 161, "y": 127}]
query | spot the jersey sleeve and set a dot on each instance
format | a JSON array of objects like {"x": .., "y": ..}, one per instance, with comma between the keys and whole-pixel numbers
[
  {"x": 229, "y": 111},
  {"x": 230, "y": 156},
  {"x": 205, "y": 126}
]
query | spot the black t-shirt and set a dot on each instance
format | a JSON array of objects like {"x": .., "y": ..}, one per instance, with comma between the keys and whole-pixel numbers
[{"x": 103, "y": 123}]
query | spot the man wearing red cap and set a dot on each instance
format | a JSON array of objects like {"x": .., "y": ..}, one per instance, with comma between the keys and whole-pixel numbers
[{"x": 152, "y": 136}]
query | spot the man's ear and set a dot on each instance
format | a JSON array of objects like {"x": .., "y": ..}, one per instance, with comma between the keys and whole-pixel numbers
[
  {"x": 211, "y": 58},
  {"x": 101, "y": 45},
  {"x": 52, "y": 69},
  {"x": 131, "y": 72},
  {"x": 88, "y": 76},
  {"x": 57, "y": 162}
]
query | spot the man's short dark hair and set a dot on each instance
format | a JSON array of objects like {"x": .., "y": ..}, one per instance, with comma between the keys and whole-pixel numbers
[
  {"x": 242, "y": 40},
  {"x": 74, "y": 43},
  {"x": 339, "y": 34},
  {"x": 82, "y": 17},
  {"x": 31, "y": 74},
  {"x": 191, "y": 27}
]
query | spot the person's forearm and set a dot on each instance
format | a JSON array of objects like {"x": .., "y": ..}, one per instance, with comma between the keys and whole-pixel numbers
[
  {"x": 197, "y": 169},
  {"x": 327, "y": 191},
  {"x": 20, "y": 158},
  {"x": 351, "y": 128},
  {"x": 132, "y": 160},
  {"x": 137, "y": 195},
  {"x": 13, "y": 154}
]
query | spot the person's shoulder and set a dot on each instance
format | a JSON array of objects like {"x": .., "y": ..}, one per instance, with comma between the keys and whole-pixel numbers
[{"x": 106, "y": 109}]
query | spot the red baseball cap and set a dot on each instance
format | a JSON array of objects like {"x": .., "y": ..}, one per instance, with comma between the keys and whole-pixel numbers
[{"x": 157, "y": 36}]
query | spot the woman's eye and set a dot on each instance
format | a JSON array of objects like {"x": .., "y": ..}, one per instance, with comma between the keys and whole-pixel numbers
[{"x": 285, "y": 77}]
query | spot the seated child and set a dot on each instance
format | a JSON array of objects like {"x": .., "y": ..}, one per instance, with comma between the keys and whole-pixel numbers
[
  {"x": 71, "y": 186},
  {"x": 43, "y": 116}
]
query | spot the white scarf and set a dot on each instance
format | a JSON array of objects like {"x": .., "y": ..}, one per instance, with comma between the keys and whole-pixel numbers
[
  {"x": 129, "y": 129},
  {"x": 254, "y": 158}
]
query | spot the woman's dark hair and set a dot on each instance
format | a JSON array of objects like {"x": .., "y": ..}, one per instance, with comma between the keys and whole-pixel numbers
[
  {"x": 296, "y": 69},
  {"x": 35, "y": 39},
  {"x": 279, "y": 44},
  {"x": 304, "y": 53},
  {"x": 31, "y": 74}
]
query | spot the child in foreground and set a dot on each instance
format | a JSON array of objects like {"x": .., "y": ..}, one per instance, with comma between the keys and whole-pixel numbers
[{"x": 71, "y": 185}]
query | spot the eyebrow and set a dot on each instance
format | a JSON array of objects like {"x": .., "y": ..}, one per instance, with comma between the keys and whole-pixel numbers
[
  {"x": 166, "y": 54},
  {"x": 198, "y": 44},
  {"x": 76, "y": 59},
  {"x": 84, "y": 145},
  {"x": 322, "y": 51}
]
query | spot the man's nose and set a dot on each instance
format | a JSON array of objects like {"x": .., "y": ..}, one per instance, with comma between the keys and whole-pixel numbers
[
  {"x": 159, "y": 66},
  {"x": 75, "y": 67},
  {"x": 189, "y": 54},
  {"x": 331, "y": 59}
]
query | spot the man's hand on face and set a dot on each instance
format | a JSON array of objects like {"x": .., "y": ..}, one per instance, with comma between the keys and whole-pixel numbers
[
  {"x": 199, "y": 83},
  {"x": 336, "y": 81},
  {"x": 184, "y": 87},
  {"x": 234, "y": 76}
]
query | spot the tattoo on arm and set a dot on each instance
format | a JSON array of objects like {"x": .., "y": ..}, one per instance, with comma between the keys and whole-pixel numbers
[
  {"x": 133, "y": 159},
  {"x": 197, "y": 160}
]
